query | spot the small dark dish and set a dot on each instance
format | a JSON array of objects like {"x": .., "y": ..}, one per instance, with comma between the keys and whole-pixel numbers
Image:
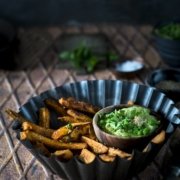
[
  {"x": 124, "y": 143},
  {"x": 171, "y": 79},
  {"x": 167, "y": 46}
]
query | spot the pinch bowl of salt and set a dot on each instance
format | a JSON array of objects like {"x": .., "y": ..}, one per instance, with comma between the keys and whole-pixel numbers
[{"x": 129, "y": 66}]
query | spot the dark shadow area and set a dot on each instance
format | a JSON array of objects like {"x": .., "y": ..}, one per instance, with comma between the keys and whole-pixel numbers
[{"x": 45, "y": 12}]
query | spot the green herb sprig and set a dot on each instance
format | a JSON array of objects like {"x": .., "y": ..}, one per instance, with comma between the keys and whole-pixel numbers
[{"x": 83, "y": 57}]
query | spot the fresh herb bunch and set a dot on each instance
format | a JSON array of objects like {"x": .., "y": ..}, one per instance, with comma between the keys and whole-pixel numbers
[
  {"x": 83, "y": 57},
  {"x": 169, "y": 31}
]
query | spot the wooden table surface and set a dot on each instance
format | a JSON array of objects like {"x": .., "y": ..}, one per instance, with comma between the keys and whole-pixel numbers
[{"x": 40, "y": 70}]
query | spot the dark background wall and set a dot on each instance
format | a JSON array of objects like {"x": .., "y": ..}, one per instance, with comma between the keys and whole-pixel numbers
[{"x": 45, "y": 12}]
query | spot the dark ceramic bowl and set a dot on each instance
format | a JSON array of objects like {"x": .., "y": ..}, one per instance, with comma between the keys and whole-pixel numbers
[
  {"x": 168, "y": 48},
  {"x": 159, "y": 75},
  {"x": 123, "y": 143}
]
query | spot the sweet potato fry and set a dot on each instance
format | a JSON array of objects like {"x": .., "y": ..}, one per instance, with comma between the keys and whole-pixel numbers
[
  {"x": 38, "y": 129},
  {"x": 54, "y": 105},
  {"x": 76, "y": 134},
  {"x": 34, "y": 137},
  {"x": 44, "y": 117},
  {"x": 92, "y": 133},
  {"x": 106, "y": 157},
  {"x": 64, "y": 154},
  {"x": 159, "y": 138},
  {"x": 87, "y": 156},
  {"x": 67, "y": 129},
  {"x": 68, "y": 119},
  {"x": 147, "y": 148},
  {"x": 65, "y": 139},
  {"x": 61, "y": 132},
  {"x": 97, "y": 147},
  {"x": 77, "y": 115},
  {"x": 130, "y": 102},
  {"x": 85, "y": 129},
  {"x": 16, "y": 116},
  {"x": 40, "y": 146},
  {"x": 118, "y": 152},
  {"x": 71, "y": 98},
  {"x": 78, "y": 105}
]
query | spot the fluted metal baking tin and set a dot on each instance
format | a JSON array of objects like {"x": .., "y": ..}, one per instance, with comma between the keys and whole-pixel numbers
[{"x": 101, "y": 93}]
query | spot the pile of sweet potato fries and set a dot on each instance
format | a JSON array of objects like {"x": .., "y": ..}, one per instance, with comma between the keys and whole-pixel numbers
[{"x": 75, "y": 138}]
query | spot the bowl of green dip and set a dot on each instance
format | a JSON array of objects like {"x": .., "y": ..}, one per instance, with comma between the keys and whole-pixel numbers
[{"x": 126, "y": 127}]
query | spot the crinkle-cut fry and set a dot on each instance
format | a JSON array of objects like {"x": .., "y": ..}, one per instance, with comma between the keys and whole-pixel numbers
[
  {"x": 65, "y": 154},
  {"x": 67, "y": 129},
  {"x": 96, "y": 147},
  {"x": 40, "y": 146},
  {"x": 68, "y": 119},
  {"x": 77, "y": 115},
  {"x": 34, "y": 137},
  {"x": 87, "y": 156},
  {"x": 54, "y": 105},
  {"x": 44, "y": 117},
  {"x": 38, "y": 129},
  {"x": 107, "y": 158},
  {"x": 78, "y": 105},
  {"x": 16, "y": 116},
  {"x": 159, "y": 138},
  {"x": 118, "y": 152}
]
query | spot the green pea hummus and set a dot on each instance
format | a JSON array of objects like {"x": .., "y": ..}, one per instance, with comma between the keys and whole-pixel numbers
[{"x": 133, "y": 121}]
